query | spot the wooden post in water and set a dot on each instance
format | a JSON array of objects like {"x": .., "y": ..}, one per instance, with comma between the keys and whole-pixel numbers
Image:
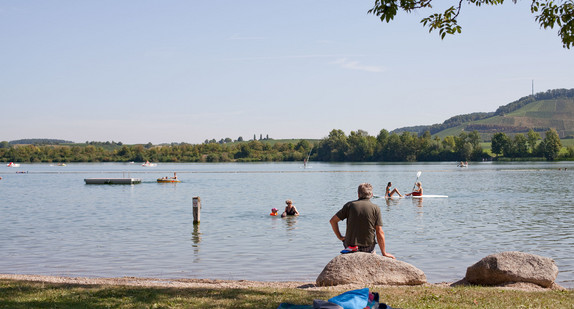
[{"x": 196, "y": 209}]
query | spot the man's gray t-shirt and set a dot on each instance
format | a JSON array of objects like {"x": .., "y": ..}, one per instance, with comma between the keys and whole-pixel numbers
[{"x": 362, "y": 218}]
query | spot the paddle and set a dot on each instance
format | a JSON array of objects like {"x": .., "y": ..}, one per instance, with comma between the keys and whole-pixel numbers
[{"x": 418, "y": 175}]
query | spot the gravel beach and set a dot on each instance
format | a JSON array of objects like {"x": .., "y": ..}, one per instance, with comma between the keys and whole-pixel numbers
[{"x": 220, "y": 284}]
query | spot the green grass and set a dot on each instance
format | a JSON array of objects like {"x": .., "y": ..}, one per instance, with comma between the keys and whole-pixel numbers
[
  {"x": 21, "y": 294},
  {"x": 454, "y": 131},
  {"x": 567, "y": 142}
]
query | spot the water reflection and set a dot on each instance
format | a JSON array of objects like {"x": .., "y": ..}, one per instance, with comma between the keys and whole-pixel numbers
[
  {"x": 275, "y": 221},
  {"x": 196, "y": 239},
  {"x": 291, "y": 221},
  {"x": 290, "y": 224},
  {"x": 417, "y": 202},
  {"x": 392, "y": 201},
  {"x": 196, "y": 236}
]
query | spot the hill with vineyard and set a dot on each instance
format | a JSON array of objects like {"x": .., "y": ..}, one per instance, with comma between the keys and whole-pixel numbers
[{"x": 553, "y": 109}]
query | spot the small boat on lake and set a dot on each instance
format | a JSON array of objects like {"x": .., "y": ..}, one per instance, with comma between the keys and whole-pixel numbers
[
  {"x": 12, "y": 164},
  {"x": 169, "y": 179},
  {"x": 149, "y": 164}
]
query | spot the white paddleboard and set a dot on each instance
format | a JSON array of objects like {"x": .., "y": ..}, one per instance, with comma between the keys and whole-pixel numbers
[
  {"x": 382, "y": 196},
  {"x": 394, "y": 197}
]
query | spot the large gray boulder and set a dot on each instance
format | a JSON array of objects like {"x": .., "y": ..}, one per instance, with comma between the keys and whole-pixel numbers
[
  {"x": 513, "y": 266},
  {"x": 369, "y": 268}
]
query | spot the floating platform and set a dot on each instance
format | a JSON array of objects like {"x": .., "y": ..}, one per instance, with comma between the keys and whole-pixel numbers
[{"x": 112, "y": 181}]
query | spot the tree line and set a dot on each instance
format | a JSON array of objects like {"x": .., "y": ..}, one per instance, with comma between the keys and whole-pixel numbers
[
  {"x": 358, "y": 146},
  {"x": 208, "y": 152},
  {"x": 521, "y": 146}
]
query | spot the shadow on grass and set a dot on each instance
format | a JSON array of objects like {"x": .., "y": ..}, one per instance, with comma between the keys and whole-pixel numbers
[{"x": 20, "y": 294}]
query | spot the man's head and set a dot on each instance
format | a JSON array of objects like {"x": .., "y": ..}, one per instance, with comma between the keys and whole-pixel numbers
[{"x": 365, "y": 191}]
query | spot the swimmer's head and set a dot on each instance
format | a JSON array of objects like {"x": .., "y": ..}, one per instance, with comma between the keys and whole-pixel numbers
[
  {"x": 288, "y": 202},
  {"x": 273, "y": 209}
]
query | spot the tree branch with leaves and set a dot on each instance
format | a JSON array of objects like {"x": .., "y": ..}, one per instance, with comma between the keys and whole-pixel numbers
[{"x": 550, "y": 14}]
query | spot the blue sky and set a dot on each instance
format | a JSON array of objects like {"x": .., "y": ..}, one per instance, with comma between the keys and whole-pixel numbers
[{"x": 187, "y": 71}]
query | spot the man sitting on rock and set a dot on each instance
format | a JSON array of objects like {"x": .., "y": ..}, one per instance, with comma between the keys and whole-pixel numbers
[{"x": 364, "y": 223}]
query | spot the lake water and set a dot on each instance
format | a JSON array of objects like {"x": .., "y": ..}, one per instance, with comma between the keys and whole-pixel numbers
[{"x": 52, "y": 223}]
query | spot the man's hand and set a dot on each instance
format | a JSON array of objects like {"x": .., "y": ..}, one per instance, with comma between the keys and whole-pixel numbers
[
  {"x": 335, "y": 225},
  {"x": 385, "y": 254}
]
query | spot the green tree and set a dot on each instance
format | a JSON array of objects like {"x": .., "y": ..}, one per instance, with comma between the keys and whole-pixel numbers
[
  {"x": 361, "y": 146},
  {"x": 334, "y": 147},
  {"x": 303, "y": 146},
  {"x": 474, "y": 139},
  {"x": 381, "y": 142},
  {"x": 392, "y": 151},
  {"x": 462, "y": 146},
  {"x": 551, "y": 145},
  {"x": 499, "y": 143},
  {"x": 448, "y": 143},
  {"x": 408, "y": 149},
  {"x": 550, "y": 14},
  {"x": 520, "y": 146},
  {"x": 533, "y": 138}
]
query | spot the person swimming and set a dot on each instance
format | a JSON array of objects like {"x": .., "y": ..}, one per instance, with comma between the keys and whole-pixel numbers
[
  {"x": 389, "y": 193},
  {"x": 273, "y": 212},
  {"x": 290, "y": 210}
]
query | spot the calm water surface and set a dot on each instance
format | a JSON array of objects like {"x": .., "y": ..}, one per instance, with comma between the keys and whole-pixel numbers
[{"x": 51, "y": 223}]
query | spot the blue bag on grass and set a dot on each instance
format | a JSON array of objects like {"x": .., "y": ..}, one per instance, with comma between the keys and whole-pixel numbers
[{"x": 355, "y": 299}]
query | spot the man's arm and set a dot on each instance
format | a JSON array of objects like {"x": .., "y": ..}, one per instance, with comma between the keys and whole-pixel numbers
[
  {"x": 381, "y": 241},
  {"x": 335, "y": 226}
]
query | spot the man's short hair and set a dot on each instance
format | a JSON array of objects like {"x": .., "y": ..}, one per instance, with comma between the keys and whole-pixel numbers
[{"x": 365, "y": 190}]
